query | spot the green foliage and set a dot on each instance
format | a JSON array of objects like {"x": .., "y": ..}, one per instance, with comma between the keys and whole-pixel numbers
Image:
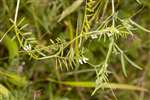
[
  {"x": 10, "y": 45},
  {"x": 4, "y": 92},
  {"x": 48, "y": 37},
  {"x": 106, "y": 85}
]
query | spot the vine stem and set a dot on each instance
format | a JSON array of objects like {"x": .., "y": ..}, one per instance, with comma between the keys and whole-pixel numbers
[
  {"x": 16, "y": 13},
  {"x": 15, "y": 20},
  {"x": 113, "y": 12},
  {"x": 109, "y": 50}
]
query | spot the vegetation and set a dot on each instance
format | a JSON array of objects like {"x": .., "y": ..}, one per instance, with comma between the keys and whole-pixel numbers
[{"x": 74, "y": 49}]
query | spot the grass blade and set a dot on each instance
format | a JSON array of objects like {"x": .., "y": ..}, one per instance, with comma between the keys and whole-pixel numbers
[
  {"x": 70, "y": 9},
  {"x": 123, "y": 65},
  {"x": 89, "y": 84},
  {"x": 132, "y": 63}
]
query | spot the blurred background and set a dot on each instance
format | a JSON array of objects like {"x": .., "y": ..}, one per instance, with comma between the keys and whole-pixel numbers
[{"x": 25, "y": 78}]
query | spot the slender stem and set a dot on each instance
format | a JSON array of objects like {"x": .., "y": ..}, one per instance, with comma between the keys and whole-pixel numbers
[
  {"x": 139, "y": 26},
  {"x": 109, "y": 50},
  {"x": 113, "y": 12},
  {"x": 17, "y": 9},
  {"x": 15, "y": 20}
]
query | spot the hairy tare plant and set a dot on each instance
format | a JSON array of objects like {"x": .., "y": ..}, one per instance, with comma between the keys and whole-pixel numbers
[{"x": 97, "y": 20}]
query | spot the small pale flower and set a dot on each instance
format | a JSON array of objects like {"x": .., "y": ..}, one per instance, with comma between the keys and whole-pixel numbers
[
  {"x": 109, "y": 34},
  {"x": 83, "y": 60},
  {"x": 117, "y": 31},
  {"x": 94, "y": 36},
  {"x": 27, "y": 48},
  {"x": 106, "y": 65},
  {"x": 80, "y": 61}
]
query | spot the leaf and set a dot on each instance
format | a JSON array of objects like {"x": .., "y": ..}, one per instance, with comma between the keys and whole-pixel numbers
[
  {"x": 89, "y": 84},
  {"x": 11, "y": 46},
  {"x": 14, "y": 78},
  {"x": 4, "y": 92},
  {"x": 132, "y": 63},
  {"x": 17, "y": 80},
  {"x": 70, "y": 9},
  {"x": 138, "y": 1},
  {"x": 123, "y": 65},
  {"x": 139, "y": 26}
]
